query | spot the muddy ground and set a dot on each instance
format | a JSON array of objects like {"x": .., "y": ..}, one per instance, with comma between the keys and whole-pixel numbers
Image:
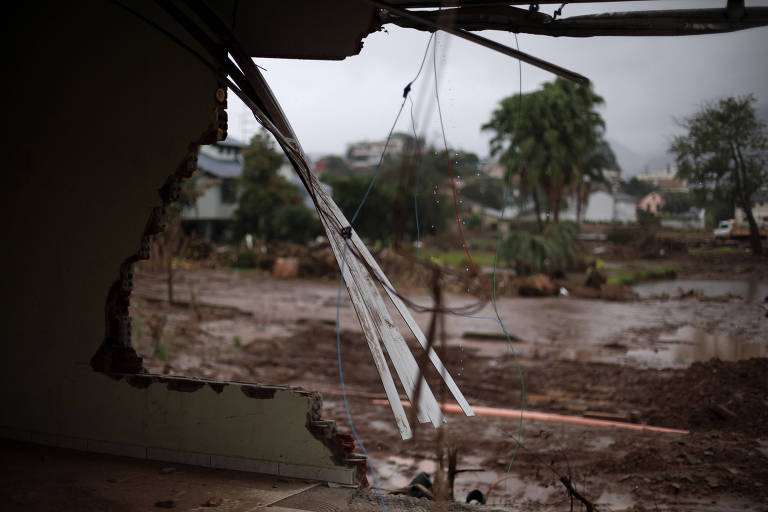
[{"x": 643, "y": 361}]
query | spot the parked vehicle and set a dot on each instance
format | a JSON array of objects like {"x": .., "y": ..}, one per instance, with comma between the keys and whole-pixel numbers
[{"x": 729, "y": 229}]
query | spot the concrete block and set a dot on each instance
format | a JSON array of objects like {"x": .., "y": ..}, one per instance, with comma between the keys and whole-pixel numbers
[
  {"x": 336, "y": 475},
  {"x": 179, "y": 457},
  {"x": 43, "y": 438},
  {"x": 73, "y": 443},
  {"x": 14, "y": 433},
  {"x": 124, "y": 450},
  {"x": 242, "y": 464}
]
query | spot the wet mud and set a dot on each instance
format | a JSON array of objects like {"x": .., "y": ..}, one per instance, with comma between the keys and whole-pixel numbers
[{"x": 647, "y": 361}]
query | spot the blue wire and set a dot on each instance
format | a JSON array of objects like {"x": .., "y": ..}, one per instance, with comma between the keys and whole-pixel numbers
[
  {"x": 406, "y": 92},
  {"x": 341, "y": 283},
  {"x": 378, "y": 166},
  {"x": 343, "y": 385},
  {"x": 497, "y": 318},
  {"x": 493, "y": 295}
]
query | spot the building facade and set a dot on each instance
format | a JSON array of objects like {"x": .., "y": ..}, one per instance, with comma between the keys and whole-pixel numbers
[{"x": 219, "y": 167}]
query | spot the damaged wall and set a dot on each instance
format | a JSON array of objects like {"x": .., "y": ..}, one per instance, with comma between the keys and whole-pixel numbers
[{"x": 102, "y": 110}]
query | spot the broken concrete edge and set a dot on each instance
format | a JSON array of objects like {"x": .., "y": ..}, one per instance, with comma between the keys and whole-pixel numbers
[
  {"x": 341, "y": 446},
  {"x": 116, "y": 353},
  {"x": 117, "y": 358},
  {"x": 346, "y": 477}
]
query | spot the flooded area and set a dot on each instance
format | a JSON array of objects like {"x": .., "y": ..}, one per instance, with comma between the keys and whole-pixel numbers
[
  {"x": 647, "y": 333},
  {"x": 750, "y": 291},
  {"x": 647, "y": 361},
  {"x": 688, "y": 344}
]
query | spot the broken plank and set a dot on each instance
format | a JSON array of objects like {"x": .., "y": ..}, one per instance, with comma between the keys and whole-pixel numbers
[{"x": 371, "y": 336}]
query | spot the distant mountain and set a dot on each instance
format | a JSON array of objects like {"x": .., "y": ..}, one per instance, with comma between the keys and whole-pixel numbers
[
  {"x": 660, "y": 161},
  {"x": 633, "y": 163},
  {"x": 762, "y": 113}
]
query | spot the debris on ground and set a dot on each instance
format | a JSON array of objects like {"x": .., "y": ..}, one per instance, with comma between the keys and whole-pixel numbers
[
  {"x": 604, "y": 362},
  {"x": 213, "y": 501},
  {"x": 286, "y": 268}
]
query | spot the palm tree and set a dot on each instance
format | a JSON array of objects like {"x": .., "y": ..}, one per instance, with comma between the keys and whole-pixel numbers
[
  {"x": 591, "y": 173},
  {"x": 546, "y": 137}
]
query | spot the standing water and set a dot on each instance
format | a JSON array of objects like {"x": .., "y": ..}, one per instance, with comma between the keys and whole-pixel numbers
[{"x": 750, "y": 291}]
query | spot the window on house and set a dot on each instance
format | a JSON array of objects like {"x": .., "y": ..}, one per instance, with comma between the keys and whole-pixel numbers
[{"x": 228, "y": 191}]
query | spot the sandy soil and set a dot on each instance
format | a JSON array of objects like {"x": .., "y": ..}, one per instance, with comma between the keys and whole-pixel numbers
[{"x": 642, "y": 361}]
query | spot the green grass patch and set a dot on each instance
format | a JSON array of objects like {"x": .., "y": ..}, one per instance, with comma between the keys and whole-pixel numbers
[
  {"x": 137, "y": 327},
  {"x": 161, "y": 352},
  {"x": 456, "y": 258},
  {"x": 632, "y": 277}
]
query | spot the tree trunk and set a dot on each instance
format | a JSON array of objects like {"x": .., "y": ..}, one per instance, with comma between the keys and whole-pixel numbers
[
  {"x": 169, "y": 256},
  {"x": 537, "y": 207},
  {"x": 554, "y": 202},
  {"x": 579, "y": 201},
  {"x": 585, "y": 197},
  {"x": 754, "y": 230},
  {"x": 744, "y": 202}
]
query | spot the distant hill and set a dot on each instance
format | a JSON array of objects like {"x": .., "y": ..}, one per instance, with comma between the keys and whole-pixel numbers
[
  {"x": 633, "y": 163},
  {"x": 762, "y": 113}
]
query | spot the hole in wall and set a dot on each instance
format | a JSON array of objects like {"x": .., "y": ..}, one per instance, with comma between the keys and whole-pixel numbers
[
  {"x": 218, "y": 297},
  {"x": 116, "y": 354},
  {"x": 198, "y": 298}
]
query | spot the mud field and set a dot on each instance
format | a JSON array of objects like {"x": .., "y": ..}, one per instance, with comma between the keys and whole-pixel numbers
[{"x": 690, "y": 363}]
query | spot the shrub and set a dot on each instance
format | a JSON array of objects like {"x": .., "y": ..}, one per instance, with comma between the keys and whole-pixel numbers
[
  {"x": 550, "y": 252},
  {"x": 620, "y": 236},
  {"x": 475, "y": 222}
]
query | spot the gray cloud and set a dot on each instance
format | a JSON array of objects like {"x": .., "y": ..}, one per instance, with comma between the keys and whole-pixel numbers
[{"x": 647, "y": 83}]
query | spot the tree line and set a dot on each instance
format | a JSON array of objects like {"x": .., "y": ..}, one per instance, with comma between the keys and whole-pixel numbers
[{"x": 552, "y": 144}]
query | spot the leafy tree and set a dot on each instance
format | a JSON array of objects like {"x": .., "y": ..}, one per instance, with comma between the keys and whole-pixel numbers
[
  {"x": 336, "y": 166},
  {"x": 677, "y": 202},
  {"x": 546, "y": 137},
  {"x": 376, "y": 217},
  {"x": 551, "y": 251},
  {"x": 269, "y": 206},
  {"x": 425, "y": 173},
  {"x": 486, "y": 190},
  {"x": 173, "y": 241},
  {"x": 725, "y": 149},
  {"x": 388, "y": 214},
  {"x": 294, "y": 222},
  {"x": 637, "y": 188}
]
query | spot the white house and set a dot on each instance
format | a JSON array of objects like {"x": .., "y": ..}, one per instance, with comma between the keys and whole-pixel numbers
[
  {"x": 366, "y": 155},
  {"x": 212, "y": 214},
  {"x": 759, "y": 209},
  {"x": 665, "y": 179},
  {"x": 695, "y": 218},
  {"x": 604, "y": 206},
  {"x": 625, "y": 208},
  {"x": 287, "y": 172}
]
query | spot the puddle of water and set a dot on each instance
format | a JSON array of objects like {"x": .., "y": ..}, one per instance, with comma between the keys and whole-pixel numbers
[
  {"x": 689, "y": 344},
  {"x": 381, "y": 425},
  {"x": 615, "y": 501},
  {"x": 397, "y": 471},
  {"x": 751, "y": 291},
  {"x": 600, "y": 443}
]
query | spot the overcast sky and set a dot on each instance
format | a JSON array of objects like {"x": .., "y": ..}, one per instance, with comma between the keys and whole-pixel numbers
[{"x": 646, "y": 83}]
